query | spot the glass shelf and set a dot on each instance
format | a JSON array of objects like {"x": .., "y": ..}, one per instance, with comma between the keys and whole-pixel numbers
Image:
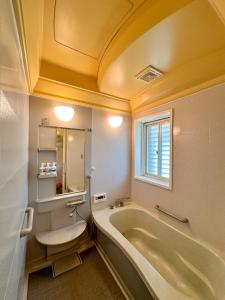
[{"x": 46, "y": 176}]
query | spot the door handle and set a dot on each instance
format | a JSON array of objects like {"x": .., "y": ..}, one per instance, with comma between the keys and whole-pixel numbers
[{"x": 25, "y": 231}]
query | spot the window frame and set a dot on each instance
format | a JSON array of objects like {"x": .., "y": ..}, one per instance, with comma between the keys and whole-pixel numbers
[{"x": 140, "y": 155}]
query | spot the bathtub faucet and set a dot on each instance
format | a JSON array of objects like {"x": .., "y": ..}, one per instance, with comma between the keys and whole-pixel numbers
[{"x": 118, "y": 203}]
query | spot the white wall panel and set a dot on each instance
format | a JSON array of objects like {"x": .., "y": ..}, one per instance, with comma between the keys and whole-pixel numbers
[
  {"x": 13, "y": 154},
  {"x": 111, "y": 157},
  {"x": 198, "y": 167},
  {"x": 13, "y": 187}
]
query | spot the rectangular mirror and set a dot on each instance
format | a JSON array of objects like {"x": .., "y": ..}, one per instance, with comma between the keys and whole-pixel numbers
[
  {"x": 69, "y": 145},
  {"x": 70, "y": 160}
]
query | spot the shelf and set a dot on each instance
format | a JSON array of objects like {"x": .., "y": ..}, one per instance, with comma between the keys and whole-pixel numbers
[
  {"x": 54, "y": 149},
  {"x": 60, "y": 197},
  {"x": 59, "y": 201},
  {"x": 46, "y": 176}
]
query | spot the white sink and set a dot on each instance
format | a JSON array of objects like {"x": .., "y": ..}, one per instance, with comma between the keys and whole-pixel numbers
[{"x": 61, "y": 236}]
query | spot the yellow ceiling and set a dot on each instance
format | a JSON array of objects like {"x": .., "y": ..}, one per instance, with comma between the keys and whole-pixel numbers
[
  {"x": 90, "y": 51},
  {"x": 76, "y": 33},
  {"x": 84, "y": 26},
  {"x": 192, "y": 32}
]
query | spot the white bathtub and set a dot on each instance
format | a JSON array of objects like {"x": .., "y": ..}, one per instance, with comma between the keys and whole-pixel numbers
[{"x": 172, "y": 265}]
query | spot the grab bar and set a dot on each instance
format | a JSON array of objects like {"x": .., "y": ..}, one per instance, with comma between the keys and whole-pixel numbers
[
  {"x": 166, "y": 212},
  {"x": 25, "y": 231}
]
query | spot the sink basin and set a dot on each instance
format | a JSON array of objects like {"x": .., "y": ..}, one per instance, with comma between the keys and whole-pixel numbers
[{"x": 61, "y": 236}]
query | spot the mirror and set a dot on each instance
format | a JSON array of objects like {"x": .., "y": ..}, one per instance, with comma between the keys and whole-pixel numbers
[
  {"x": 70, "y": 160},
  {"x": 62, "y": 149}
]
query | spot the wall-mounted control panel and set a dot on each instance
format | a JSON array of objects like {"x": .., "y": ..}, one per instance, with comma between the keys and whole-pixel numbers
[{"x": 99, "y": 197}]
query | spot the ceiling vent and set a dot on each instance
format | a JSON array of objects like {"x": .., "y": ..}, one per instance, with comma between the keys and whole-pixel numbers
[{"x": 148, "y": 74}]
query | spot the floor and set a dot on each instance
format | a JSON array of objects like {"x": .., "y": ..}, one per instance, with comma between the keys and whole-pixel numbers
[{"x": 91, "y": 280}]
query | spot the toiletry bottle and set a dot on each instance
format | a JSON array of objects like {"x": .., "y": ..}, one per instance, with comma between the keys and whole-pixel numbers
[
  {"x": 48, "y": 166},
  {"x": 43, "y": 169},
  {"x": 52, "y": 169}
]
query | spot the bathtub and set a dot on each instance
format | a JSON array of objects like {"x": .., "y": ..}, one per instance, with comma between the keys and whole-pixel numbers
[{"x": 172, "y": 265}]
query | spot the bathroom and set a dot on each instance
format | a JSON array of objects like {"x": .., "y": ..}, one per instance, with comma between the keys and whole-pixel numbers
[{"x": 112, "y": 173}]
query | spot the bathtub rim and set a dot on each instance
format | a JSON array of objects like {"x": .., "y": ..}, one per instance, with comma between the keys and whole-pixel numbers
[
  {"x": 137, "y": 268},
  {"x": 101, "y": 219},
  {"x": 155, "y": 291},
  {"x": 132, "y": 205}
]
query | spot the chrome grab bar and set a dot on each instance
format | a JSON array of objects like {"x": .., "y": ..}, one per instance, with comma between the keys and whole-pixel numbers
[
  {"x": 166, "y": 212},
  {"x": 25, "y": 231}
]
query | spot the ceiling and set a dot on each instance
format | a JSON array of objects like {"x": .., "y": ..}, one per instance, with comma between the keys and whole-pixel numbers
[
  {"x": 190, "y": 33},
  {"x": 86, "y": 26},
  {"x": 90, "y": 51},
  {"x": 76, "y": 33}
]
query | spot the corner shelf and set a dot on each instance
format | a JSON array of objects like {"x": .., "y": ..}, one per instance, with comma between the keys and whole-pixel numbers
[
  {"x": 46, "y": 176},
  {"x": 54, "y": 149}
]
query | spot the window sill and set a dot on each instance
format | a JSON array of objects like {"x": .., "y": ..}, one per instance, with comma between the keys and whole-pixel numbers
[{"x": 154, "y": 181}]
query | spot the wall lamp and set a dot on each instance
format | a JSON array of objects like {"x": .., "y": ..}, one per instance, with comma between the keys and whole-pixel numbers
[
  {"x": 115, "y": 121},
  {"x": 64, "y": 113}
]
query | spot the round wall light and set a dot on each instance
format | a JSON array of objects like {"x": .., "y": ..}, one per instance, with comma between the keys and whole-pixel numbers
[
  {"x": 64, "y": 113},
  {"x": 115, "y": 121}
]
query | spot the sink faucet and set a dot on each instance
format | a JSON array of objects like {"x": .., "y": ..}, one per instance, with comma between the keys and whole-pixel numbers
[{"x": 74, "y": 210}]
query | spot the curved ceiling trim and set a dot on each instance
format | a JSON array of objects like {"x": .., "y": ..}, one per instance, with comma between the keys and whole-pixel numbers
[
  {"x": 146, "y": 16},
  {"x": 219, "y": 6},
  {"x": 109, "y": 37}
]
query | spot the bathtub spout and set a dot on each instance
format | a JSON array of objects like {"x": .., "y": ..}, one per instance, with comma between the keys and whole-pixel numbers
[{"x": 118, "y": 203}]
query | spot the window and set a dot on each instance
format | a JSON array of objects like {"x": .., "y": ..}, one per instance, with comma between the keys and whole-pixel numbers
[{"x": 153, "y": 148}]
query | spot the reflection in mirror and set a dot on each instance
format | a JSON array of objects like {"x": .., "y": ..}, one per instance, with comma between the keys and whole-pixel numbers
[
  {"x": 75, "y": 159},
  {"x": 60, "y": 148},
  {"x": 70, "y": 161}
]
